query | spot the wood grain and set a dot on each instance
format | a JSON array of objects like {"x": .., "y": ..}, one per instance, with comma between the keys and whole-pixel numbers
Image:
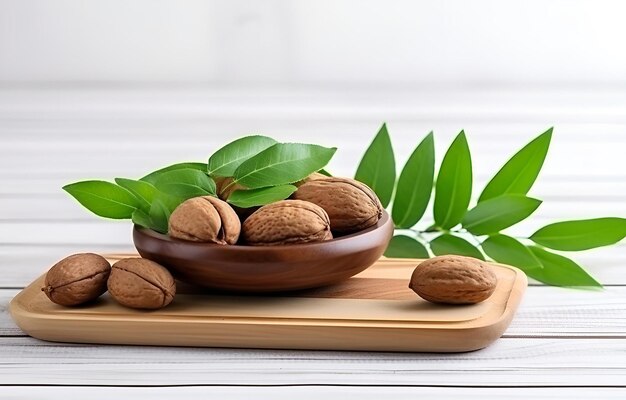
[
  {"x": 556, "y": 312},
  {"x": 558, "y": 338},
  {"x": 7, "y": 326},
  {"x": 304, "y": 392},
  {"x": 571, "y": 314},
  {"x": 22, "y": 264},
  {"x": 334, "y": 319},
  {"x": 25, "y": 262},
  {"x": 523, "y": 362}
]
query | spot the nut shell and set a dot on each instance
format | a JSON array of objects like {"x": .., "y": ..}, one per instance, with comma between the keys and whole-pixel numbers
[
  {"x": 141, "y": 283},
  {"x": 205, "y": 219},
  {"x": 351, "y": 205},
  {"x": 453, "y": 280},
  {"x": 287, "y": 222},
  {"x": 77, "y": 279}
]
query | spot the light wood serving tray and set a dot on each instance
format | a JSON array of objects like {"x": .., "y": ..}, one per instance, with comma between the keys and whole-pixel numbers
[{"x": 375, "y": 310}]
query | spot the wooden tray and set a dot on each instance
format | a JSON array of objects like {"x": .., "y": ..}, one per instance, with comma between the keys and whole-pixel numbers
[{"x": 375, "y": 310}]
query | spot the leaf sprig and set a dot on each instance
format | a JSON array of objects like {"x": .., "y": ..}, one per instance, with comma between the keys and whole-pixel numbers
[
  {"x": 262, "y": 169},
  {"x": 476, "y": 231}
]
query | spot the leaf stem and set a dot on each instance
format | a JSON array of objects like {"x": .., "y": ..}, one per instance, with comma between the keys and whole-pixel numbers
[
  {"x": 227, "y": 186},
  {"x": 432, "y": 228}
]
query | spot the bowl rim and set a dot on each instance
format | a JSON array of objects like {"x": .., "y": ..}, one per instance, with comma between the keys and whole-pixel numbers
[{"x": 382, "y": 222}]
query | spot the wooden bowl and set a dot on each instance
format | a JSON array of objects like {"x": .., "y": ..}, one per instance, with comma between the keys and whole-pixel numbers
[{"x": 266, "y": 268}]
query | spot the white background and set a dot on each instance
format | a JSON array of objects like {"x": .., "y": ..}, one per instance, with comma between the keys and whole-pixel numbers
[
  {"x": 360, "y": 42},
  {"x": 103, "y": 89}
]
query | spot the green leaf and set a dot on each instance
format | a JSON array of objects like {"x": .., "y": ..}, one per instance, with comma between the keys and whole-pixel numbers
[
  {"x": 324, "y": 172},
  {"x": 225, "y": 161},
  {"x": 454, "y": 184},
  {"x": 415, "y": 185},
  {"x": 159, "y": 216},
  {"x": 495, "y": 214},
  {"x": 141, "y": 218},
  {"x": 143, "y": 191},
  {"x": 448, "y": 244},
  {"x": 104, "y": 198},
  {"x": 153, "y": 176},
  {"x": 171, "y": 202},
  {"x": 521, "y": 171},
  {"x": 281, "y": 164},
  {"x": 581, "y": 234},
  {"x": 260, "y": 197},
  {"x": 377, "y": 168},
  {"x": 402, "y": 246},
  {"x": 185, "y": 183},
  {"x": 504, "y": 249},
  {"x": 560, "y": 271}
]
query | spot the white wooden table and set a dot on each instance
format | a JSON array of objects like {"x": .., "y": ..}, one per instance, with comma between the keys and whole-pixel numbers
[{"x": 563, "y": 343}]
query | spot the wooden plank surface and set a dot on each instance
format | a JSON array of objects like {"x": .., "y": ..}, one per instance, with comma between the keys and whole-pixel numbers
[
  {"x": 560, "y": 339},
  {"x": 523, "y": 362},
  {"x": 375, "y": 310},
  {"x": 607, "y": 264},
  {"x": 572, "y": 314},
  {"x": 289, "y": 392}
]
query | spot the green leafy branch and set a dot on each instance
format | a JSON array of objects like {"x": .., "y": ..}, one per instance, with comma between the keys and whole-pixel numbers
[
  {"x": 477, "y": 231},
  {"x": 262, "y": 169}
]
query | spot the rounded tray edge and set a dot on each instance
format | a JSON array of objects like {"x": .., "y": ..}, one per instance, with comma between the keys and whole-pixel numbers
[{"x": 20, "y": 314}]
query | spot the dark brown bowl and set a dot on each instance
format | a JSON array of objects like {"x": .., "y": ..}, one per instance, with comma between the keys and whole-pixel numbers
[{"x": 267, "y": 268}]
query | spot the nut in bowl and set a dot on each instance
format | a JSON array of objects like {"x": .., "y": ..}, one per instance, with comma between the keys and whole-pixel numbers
[
  {"x": 259, "y": 216},
  {"x": 275, "y": 268}
]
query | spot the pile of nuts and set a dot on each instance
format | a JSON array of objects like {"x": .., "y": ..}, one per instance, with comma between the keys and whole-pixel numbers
[
  {"x": 144, "y": 284},
  {"x": 321, "y": 208},
  {"x": 132, "y": 282}
]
